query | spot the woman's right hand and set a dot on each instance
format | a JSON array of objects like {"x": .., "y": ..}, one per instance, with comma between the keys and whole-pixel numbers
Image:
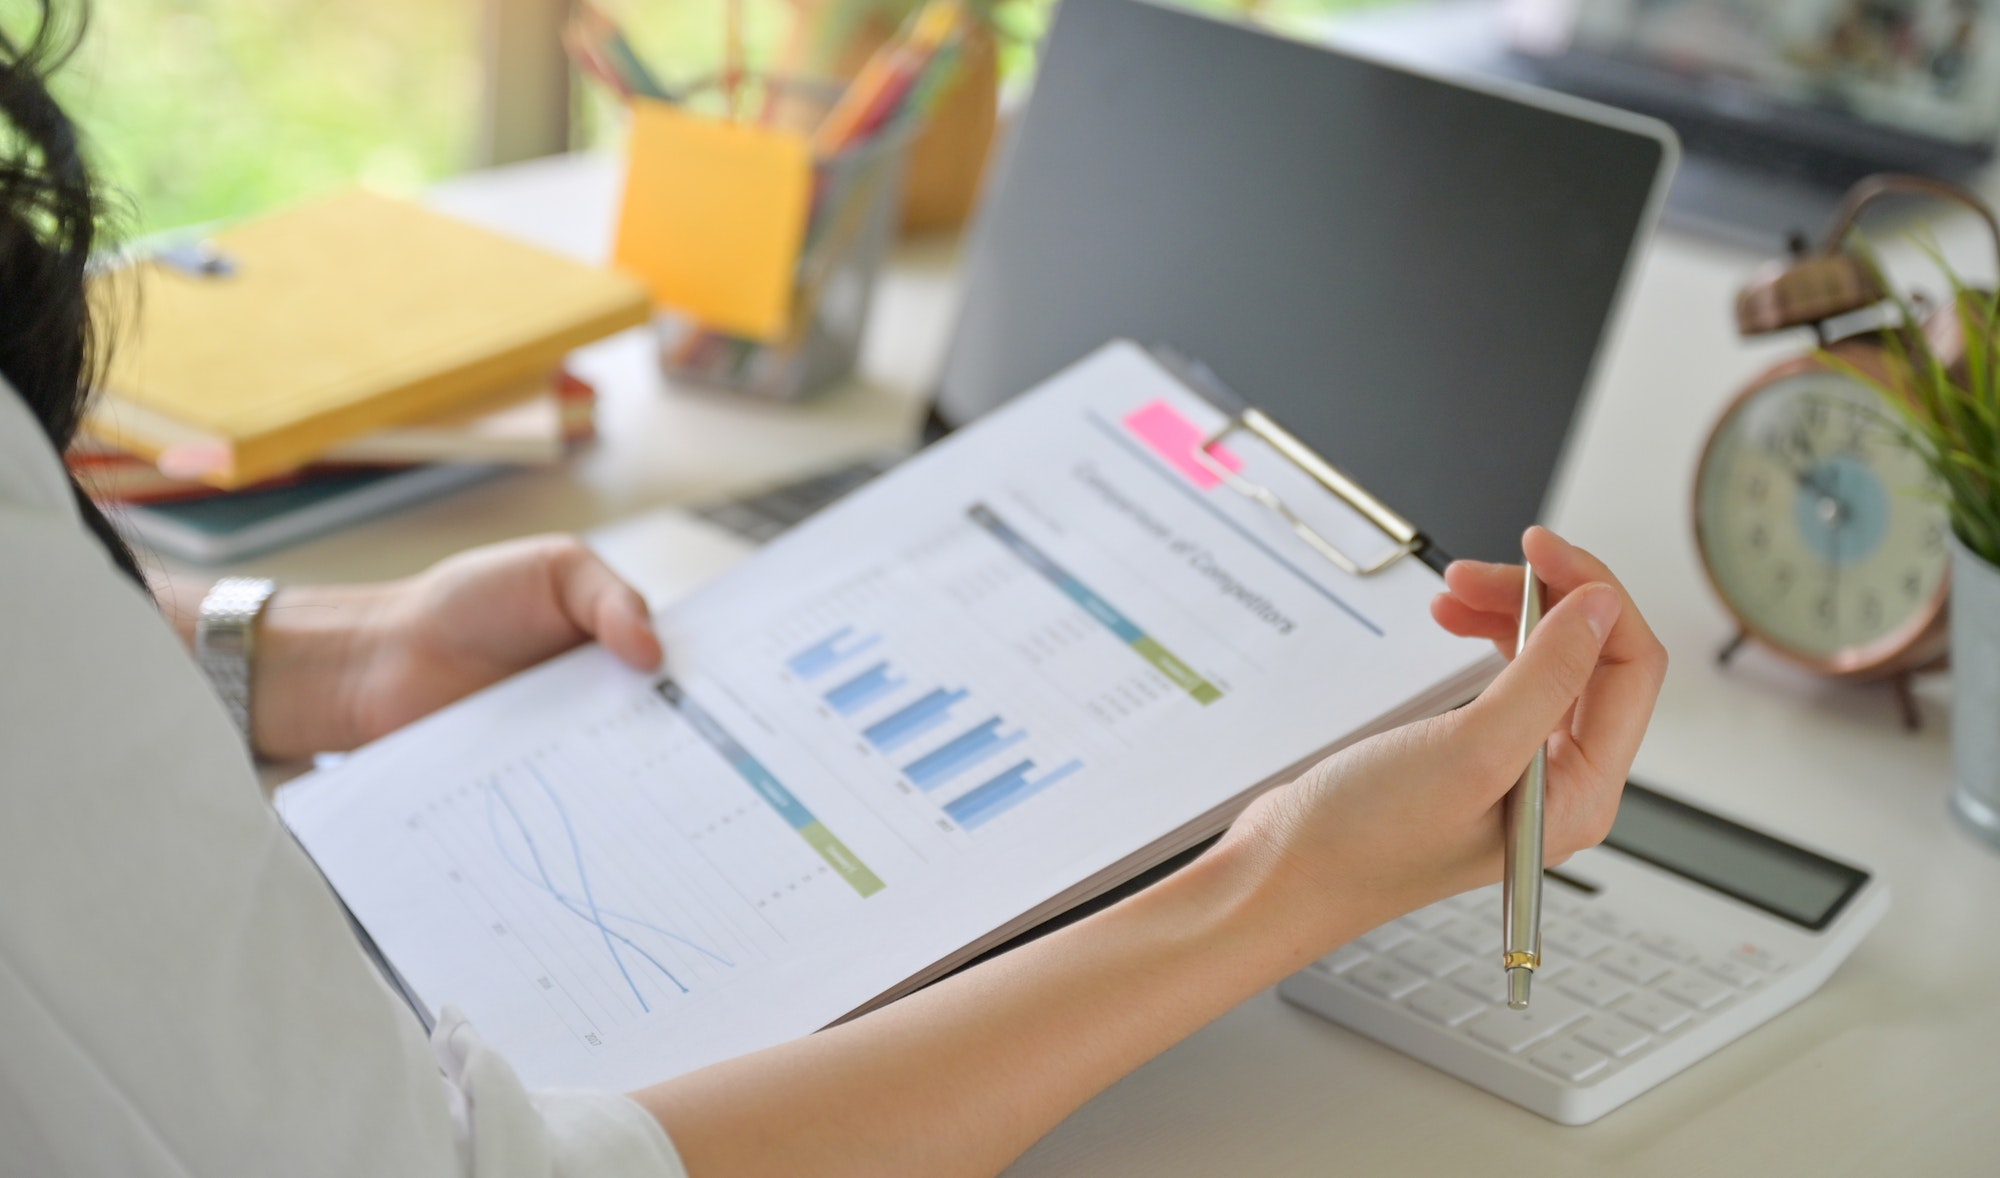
[{"x": 1414, "y": 815}]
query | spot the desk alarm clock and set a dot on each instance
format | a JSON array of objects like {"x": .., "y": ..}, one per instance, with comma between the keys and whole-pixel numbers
[{"x": 1820, "y": 530}]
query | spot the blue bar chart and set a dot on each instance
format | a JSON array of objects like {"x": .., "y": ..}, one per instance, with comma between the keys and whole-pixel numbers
[
  {"x": 864, "y": 689},
  {"x": 907, "y": 723},
  {"x": 961, "y": 754},
  {"x": 830, "y": 652},
  {"x": 953, "y": 741},
  {"x": 988, "y": 801}
]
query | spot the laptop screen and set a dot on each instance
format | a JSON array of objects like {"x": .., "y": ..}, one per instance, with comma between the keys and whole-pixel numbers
[
  {"x": 1412, "y": 276},
  {"x": 1929, "y": 67}
]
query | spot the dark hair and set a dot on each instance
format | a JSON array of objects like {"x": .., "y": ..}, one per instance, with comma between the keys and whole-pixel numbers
[{"x": 49, "y": 216}]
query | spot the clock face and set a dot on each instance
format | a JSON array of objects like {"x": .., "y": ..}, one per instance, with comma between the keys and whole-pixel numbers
[{"x": 1816, "y": 523}]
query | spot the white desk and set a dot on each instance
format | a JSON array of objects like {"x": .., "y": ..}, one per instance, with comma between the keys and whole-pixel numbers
[{"x": 1893, "y": 1068}]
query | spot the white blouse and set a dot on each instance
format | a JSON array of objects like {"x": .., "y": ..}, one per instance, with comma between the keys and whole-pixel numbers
[{"x": 179, "y": 990}]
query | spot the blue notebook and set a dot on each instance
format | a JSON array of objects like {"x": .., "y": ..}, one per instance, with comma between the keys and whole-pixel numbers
[{"x": 229, "y": 527}]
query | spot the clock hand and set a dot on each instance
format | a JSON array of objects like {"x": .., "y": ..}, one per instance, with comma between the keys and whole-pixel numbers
[
  {"x": 1781, "y": 447},
  {"x": 1806, "y": 472}
]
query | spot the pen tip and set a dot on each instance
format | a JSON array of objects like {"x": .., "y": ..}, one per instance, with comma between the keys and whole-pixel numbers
[{"x": 1517, "y": 987}]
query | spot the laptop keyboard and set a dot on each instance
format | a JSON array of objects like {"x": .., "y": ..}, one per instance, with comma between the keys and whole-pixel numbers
[{"x": 765, "y": 515}]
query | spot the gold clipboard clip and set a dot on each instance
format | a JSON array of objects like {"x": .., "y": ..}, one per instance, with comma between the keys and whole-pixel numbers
[{"x": 1407, "y": 540}]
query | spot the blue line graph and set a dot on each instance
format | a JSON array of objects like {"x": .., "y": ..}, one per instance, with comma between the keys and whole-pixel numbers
[{"x": 587, "y": 910}]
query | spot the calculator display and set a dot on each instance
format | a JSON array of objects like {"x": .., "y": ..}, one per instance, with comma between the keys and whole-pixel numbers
[{"x": 1745, "y": 864}]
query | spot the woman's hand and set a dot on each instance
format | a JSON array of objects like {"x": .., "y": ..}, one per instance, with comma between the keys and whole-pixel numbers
[
  {"x": 339, "y": 666},
  {"x": 1414, "y": 815}
]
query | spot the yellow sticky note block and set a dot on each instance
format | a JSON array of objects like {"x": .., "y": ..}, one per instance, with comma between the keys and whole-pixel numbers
[{"x": 713, "y": 218}]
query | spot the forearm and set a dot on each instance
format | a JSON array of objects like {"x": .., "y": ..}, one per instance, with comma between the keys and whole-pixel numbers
[{"x": 960, "y": 1078}]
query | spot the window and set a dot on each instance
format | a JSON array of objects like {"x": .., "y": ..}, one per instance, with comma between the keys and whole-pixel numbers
[{"x": 202, "y": 110}]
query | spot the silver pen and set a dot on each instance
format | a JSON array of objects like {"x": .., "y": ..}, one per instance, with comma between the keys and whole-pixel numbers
[{"x": 1521, "y": 886}]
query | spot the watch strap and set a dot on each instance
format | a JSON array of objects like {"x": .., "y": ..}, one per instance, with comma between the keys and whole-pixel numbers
[{"x": 225, "y": 637}]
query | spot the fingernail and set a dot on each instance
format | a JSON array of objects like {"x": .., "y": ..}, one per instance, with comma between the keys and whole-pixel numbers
[{"x": 1600, "y": 606}]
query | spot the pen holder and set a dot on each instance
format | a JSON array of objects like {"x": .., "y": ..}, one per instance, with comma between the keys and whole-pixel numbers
[{"x": 762, "y": 259}]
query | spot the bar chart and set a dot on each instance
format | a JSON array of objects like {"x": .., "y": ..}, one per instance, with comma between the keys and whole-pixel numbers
[
  {"x": 989, "y": 667},
  {"x": 993, "y": 798},
  {"x": 869, "y": 686},
  {"x": 831, "y": 651},
  {"x": 957, "y": 748},
  {"x": 913, "y": 720},
  {"x": 962, "y": 754}
]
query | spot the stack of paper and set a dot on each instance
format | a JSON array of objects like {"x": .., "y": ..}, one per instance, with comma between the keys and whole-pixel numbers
[
  {"x": 353, "y": 332},
  {"x": 328, "y": 322},
  {"x": 534, "y": 425}
]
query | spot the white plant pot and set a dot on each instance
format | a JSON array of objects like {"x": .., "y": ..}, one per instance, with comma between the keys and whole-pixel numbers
[{"x": 1975, "y": 672}]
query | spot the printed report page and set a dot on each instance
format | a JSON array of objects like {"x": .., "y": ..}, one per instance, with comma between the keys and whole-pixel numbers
[{"x": 1040, "y": 647}]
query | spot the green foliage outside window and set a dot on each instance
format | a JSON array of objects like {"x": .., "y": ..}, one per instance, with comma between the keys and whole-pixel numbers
[{"x": 201, "y": 110}]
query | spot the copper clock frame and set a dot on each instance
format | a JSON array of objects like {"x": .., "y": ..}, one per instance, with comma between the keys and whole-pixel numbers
[{"x": 1921, "y": 640}]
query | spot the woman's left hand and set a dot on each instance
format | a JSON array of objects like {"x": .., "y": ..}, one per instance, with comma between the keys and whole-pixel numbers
[{"x": 339, "y": 666}]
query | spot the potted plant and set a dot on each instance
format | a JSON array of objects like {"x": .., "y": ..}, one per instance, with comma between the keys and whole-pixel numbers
[{"x": 1950, "y": 416}]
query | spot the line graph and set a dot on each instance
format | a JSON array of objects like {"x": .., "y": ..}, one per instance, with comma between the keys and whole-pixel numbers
[{"x": 513, "y": 834}]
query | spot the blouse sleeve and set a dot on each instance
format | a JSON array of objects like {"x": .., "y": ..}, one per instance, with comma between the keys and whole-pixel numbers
[{"x": 179, "y": 991}]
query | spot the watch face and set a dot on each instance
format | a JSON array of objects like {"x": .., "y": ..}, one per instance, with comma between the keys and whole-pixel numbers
[{"x": 1818, "y": 526}]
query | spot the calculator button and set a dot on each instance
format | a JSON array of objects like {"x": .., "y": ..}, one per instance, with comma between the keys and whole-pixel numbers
[
  {"x": 1514, "y": 1030},
  {"x": 1613, "y": 1036},
  {"x": 1483, "y": 980},
  {"x": 1573, "y": 940},
  {"x": 1569, "y": 1059},
  {"x": 1385, "y": 978},
  {"x": 1427, "y": 956},
  {"x": 1387, "y": 937},
  {"x": 1757, "y": 957},
  {"x": 1633, "y": 964},
  {"x": 1442, "y": 1004},
  {"x": 1468, "y": 937},
  {"x": 1669, "y": 947},
  {"x": 1342, "y": 959},
  {"x": 1653, "y": 1012},
  {"x": 1735, "y": 972},
  {"x": 1594, "y": 986},
  {"x": 1428, "y": 919},
  {"x": 1698, "y": 991},
  {"x": 1603, "y": 921}
]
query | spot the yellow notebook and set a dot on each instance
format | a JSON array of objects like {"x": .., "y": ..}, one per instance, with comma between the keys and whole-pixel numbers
[{"x": 342, "y": 316}]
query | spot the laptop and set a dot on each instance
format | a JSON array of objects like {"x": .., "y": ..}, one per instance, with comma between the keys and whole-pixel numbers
[
  {"x": 1413, "y": 275},
  {"x": 1781, "y": 105}
]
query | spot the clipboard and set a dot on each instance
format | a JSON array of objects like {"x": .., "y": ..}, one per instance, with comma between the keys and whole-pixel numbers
[
  {"x": 1406, "y": 539},
  {"x": 1027, "y": 666}
]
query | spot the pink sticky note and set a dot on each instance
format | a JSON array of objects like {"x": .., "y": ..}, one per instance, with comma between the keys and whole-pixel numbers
[{"x": 1175, "y": 439}]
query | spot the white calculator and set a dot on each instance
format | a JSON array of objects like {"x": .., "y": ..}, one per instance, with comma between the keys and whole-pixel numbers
[{"x": 1682, "y": 933}]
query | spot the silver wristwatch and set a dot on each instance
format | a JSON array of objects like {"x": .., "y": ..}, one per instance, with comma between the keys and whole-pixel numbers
[{"x": 225, "y": 639}]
